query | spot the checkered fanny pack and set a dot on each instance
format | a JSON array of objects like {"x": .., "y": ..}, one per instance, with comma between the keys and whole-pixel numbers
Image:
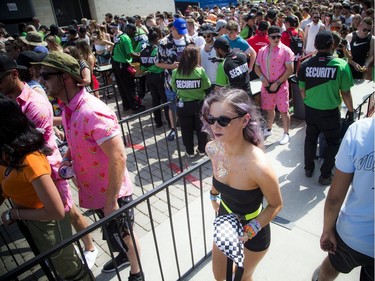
[{"x": 227, "y": 231}]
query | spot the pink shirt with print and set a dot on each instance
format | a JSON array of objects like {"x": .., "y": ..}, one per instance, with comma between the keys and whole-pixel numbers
[
  {"x": 88, "y": 123},
  {"x": 272, "y": 64},
  {"x": 39, "y": 110}
]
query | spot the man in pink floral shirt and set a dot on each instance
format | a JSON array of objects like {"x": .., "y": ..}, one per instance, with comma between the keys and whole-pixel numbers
[
  {"x": 39, "y": 110},
  {"x": 96, "y": 150},
  {"x": 274, "y": 65}
]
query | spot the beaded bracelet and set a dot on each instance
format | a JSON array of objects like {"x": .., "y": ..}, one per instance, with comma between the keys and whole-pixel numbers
[
  {"x": 214, "y": 197},
  {"x": 252, "y": 228},
  {"x": 66, "y": 159}
]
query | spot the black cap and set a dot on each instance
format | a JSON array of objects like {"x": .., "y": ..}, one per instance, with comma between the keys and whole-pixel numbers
[
  {"x": 207, "y": 28},
  {"x": 271, "y": 14},
  {"x": 250, "y": 16},
  {"x": 291, "y": 20},
  {"x": 222, "y": 43},
  {"x": 8, "y": 63},
  {"x": 323, "y": 40},
  {"x": 274, "y": 29},
  {"x": 346, "y": 5},
  {"x": 263, "y": 26},
  {"x": 26, "y": 57}
]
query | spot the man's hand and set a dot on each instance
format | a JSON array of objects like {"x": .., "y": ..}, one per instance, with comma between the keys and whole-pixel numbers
[
  {"x": 349, "y": 116},
  {"x": 274, "y": 86},
  {"x": 109, "y": 208},
  {"x": 328, "y": 242}
]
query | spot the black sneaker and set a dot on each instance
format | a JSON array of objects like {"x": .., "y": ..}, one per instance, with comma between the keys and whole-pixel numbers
[
  {"x": 136, "y": 277},
  {"x": 171, "y": 135},
  {"x": 121, "y": 261},
  {"x": 325, "y": 180},
  {"x": 309, "y": 173}
]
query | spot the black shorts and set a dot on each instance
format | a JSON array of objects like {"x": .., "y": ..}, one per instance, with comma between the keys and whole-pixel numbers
[
  {"x": 345, "y": 259},
  {"x": 118, "y": 228}
]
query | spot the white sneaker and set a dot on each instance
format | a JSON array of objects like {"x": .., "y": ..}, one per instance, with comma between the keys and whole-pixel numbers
[
  {"x": 91, "y": 257},
  {"x": 190, "y": 155},
  {"x": 267, "y": 133},
  {"x": 284, "y": 139}
]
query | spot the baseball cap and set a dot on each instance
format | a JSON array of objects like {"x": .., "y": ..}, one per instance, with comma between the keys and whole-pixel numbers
[
  {"x": 62, "y": 62},
  {"x": 180, "y": 25},
  {"x": 8, "y": 63},
  {"x": 41, "y": 49},
  {"x": 323, "y": 40},
  {"x": 220, "y": 24},
  {"x": 207, "y": 28},
  {"x": 263, "y": 26},
  {"x": 346, "y": 5},
  {"x": 222, "y": 43},
  {"x": 33, "y": 39},
  {"x": 274, "y": 29},
  {"x": 291, "y": 20},
  {"x": 26, "y": 57},
  {"x": 250, "y": 16},
  {"x": 271, "y": 14}
]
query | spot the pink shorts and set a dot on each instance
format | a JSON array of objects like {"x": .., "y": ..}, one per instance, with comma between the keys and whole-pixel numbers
[{"x": 279, "y": 99}]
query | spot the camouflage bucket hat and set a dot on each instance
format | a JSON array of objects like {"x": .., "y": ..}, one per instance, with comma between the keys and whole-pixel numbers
[
  {"x": 63, "y": 62},
  {"x": 33, "y": 39}
]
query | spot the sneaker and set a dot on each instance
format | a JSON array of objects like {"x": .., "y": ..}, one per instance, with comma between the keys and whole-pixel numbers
[
  {"x": 309, "y": 173},
  {"x": 325, "y": 180},
  {"x": 201, "y": 154},
  {"x": 267, "y": 132},
  {"x": 284, "y": 139},
  {"x": 171, "y": 135},
  {"x": 136, "y": 277},
  {"x": 90, "y": 257},
  {"x": 121, "y": 261},
  {"x": 190, "y": 155}
]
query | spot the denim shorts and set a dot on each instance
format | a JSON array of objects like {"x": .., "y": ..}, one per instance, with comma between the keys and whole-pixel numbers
[{"x": 171, "y": 96}]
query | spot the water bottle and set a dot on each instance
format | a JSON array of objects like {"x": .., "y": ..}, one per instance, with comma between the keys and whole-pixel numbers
[{"x": 66, "y": 172}]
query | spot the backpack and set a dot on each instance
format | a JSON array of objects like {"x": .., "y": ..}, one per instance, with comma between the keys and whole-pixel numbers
[
  {"x": 146, "y": 59},
  {"x": 296, "y": 43}
]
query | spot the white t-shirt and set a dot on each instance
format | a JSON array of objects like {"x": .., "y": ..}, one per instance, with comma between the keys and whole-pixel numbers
[
  {"x": 312, "y": 32},
  {"x": 208, "y": 65},
  {"x": 355, "y": 223}
]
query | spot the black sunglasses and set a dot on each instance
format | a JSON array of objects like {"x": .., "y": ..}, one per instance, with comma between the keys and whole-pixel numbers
[
  {"x": 223, "y": 121},
  {"x": 207, "y": 36},
  {"x": 366, "y": 30},
  {"x": 316, "y": 17},
  {"x": 274, "y": 37},
  {"x": 46, "y": 75}
]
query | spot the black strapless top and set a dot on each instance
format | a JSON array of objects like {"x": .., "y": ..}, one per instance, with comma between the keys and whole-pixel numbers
[{"x": 238, "y": 201}]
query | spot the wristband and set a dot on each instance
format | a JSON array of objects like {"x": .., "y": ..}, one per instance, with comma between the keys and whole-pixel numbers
[
  {"x": 214, "y": 197},
  {"x": 7, "y": 216},
  {"x": 66, "y": 159},
  {"x": 252, "y": 228}
]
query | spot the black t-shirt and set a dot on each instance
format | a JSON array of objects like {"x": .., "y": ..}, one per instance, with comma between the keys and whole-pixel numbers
[{"x": 234, "y": 71}]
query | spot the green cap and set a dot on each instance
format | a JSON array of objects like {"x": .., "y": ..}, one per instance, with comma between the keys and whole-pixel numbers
[{"x": 63, "y": 62}]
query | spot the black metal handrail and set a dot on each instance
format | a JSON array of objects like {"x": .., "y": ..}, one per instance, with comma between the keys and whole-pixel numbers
[{"x": 13, "y": 274}]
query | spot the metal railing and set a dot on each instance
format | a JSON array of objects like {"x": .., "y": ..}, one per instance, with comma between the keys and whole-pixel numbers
[{"x": 164, "y": 191}]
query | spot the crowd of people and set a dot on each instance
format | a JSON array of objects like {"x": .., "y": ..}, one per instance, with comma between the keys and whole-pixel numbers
[{"x": 204, "y": 62}]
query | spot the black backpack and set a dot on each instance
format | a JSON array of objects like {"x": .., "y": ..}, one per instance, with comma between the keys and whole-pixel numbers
[{"x": 296, "y": 43}]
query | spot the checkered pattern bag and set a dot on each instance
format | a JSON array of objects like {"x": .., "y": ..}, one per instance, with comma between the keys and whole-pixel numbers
[{"x": 228, "y": 229}]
